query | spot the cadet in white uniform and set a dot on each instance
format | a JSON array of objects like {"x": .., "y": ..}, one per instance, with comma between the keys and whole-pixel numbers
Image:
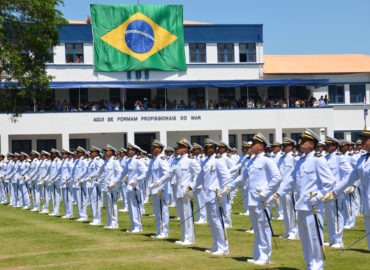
[
  {"x": 215, "y": 178},
  {"x": 64, "y": 182},
  {"x": 109, "y": 176},
  {"x": 198, "y": 192},
  {"x": 8, "y": 170},
  {"x": 123, "y": 182},
  {"x": 41, "y": 191},
  {"x": 228, "y": 200},
  {"x": 35, "y": 162},
  {"x": 78, "y": 187},
  {"x": 14, "y": 177},
  {"x": 286, "y": 165},
  {"x": 159, "y": 170},
  {"x": 135, "y": 171},
  {"x": 310, "y": 180},
  {"x": 263, "y": 178},
  {"x": 359, "y": 177},
  {"x": 3, "y": 188},
  {"x": 53, "y": 190},
  {"x": 96, "y": 201},
  {"x": 243, "y": 161},
  {"x": 185, "y": 170},
  {"x": 334, "y": 209},
  {"x": 24, "y": 195}
]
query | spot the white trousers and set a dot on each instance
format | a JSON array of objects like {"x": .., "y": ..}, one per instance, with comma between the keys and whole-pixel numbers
[
  {"x": 67, "y": 201},
  {"x": 199, "y": 200},
  {"x": 24, "y": 195},
  {"x": 81, "y": 198},
  {"x": 245, "y": 199},
  {"x": 226, "y": 205},
  {"x": 290, "y": 222},
  {"x": 262, "y": 239},
  {"x": 161, "y": 214},
  {"x": 310, "y": 239},
  {"x": 3, "y": 197},
  {"x": 215, "y": 224},
  {"x": 134, "y": 209},
  {"x": 110, "y": 197},
  {"x": 186, "y": 219},
  {"x": 123, "y": 193},
  {"x": 334, "y": 220},
  {"x": 96, "y": 203}
]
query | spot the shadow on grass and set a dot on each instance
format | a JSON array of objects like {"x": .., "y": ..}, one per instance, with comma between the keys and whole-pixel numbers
[
  {"x": 198, "y": 248},
  {"x": 341, "y": 251}
]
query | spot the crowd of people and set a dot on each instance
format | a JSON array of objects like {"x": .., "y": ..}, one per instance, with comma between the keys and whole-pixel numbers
[
  {"x": 160, "y": 104},
  {"x": 302, "y": 180}
]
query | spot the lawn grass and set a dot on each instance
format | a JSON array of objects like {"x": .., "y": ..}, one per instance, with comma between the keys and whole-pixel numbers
[{"x": 31, "y": 240}]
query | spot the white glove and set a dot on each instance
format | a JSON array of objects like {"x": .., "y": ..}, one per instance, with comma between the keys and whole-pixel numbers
[
  {"x": 329, "y": 196},
  {"x": 223, "y": 192},
  {"x": 315, "y": 202},
  {"x": 133, "y": 182},
  {"x": 273, "y": 198},
  {"x": 153, "y": 185},
  {"x": 262, "y": 196},
  {"x": 111, "y": 184},
  {"x": 349, "y": 190}
]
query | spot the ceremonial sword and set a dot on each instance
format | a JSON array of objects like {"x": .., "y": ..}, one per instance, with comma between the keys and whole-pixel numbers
[{"x": 317, "y": 227}]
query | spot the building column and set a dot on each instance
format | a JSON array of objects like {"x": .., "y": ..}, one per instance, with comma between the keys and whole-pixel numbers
[
  {"x": 329, "y": 132},
  {"x": 278, "y": 134},
  {"x": 348, "y": 136},
  {"x": 130, "y": 137},
  {"x": 4, "y": 147},
  {"x": 347, "y": 98},
  {"x": 65, "y": 141},
  {"x": 206, "y": 96},
  {"x": 367, "y": 92},
  {"x": 238, "y": 140},
  {"x": 225, "y": 135},
  {"x": 123, "y": 97},
  {"x": 286, "y": 94},
  {"x": 323, "y": 134},
  {"x": 163, "y": 137}
]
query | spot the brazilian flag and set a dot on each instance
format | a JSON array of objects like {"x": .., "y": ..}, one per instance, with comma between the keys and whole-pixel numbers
[{"x": 138, "y": 37}]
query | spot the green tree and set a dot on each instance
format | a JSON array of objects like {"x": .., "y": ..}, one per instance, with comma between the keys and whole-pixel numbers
[{"x": 28, "y": 31}]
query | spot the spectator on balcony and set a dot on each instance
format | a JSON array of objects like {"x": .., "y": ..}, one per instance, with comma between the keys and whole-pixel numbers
[
  {"x": 322, "y": 102},
  {"x": 138, "y": 105},
  {"x": 145, "y": 103},
  {"x": 211, "y": 105},
  {"x": 182, "y": 105}
]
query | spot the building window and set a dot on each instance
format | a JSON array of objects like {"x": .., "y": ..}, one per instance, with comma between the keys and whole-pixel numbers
[
  {"x": 115, "y": 94},
  {"x": 271, "y": 137},
  {"x": 196, "y": 97},
  {"x": 74, "y": 53},
  {"x": 295, "y": 136},
  {"x": 21, "y": 146},
  {"x": 232, "y": 140},
  {"x": 339, "y": 135},
  {"x": 275, "y": 92},
  {"x": 355, "y": 135},
  {"x": 198, "y": 52},
  {"x": 247, "y": 137},
  {"x": 225, "y": 52},
  {"x": 357, "y": 93},
  {"x": 74, "y": 143},
  {"x": 226, "y": 94},
  {"x": 46, "y": 144},
  {"x": 198, "y": 139},
  {"x": 336, "y": 93},
  {"x": 248, "y": 92},
  {"x": 247, "y": 52}
]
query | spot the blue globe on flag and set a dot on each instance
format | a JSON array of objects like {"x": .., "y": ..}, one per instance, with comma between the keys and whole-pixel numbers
[{"x": 139, "y": 36}]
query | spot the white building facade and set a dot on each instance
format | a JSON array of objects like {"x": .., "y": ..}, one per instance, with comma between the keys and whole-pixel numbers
[{"x": 225, "y": 62}]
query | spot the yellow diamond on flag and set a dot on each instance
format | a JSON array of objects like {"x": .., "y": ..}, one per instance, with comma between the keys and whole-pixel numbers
[{"x": 139, "y": 37}]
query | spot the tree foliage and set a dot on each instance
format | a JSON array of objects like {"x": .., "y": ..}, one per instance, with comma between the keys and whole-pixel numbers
[{"x": 28, "y": 31}]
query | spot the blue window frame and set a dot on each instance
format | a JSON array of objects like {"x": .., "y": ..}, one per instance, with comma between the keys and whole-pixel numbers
[
  {"x": 336, "y": 93},
  {"x": 357, "y": 93},
  {"x": 225, "y": 52},
  {"x": 74, "y": 53},
  {"x": 198, "y": 139},
  {"x": 247, "y": 137},
  {"x": 247, "y": 52},
  {"x": 232, "y": 140},
  {"x": 198, "y": 52}
]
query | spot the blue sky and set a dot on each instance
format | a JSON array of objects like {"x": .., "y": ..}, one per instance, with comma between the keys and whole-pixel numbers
[{"x": 290, "y": 26}]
